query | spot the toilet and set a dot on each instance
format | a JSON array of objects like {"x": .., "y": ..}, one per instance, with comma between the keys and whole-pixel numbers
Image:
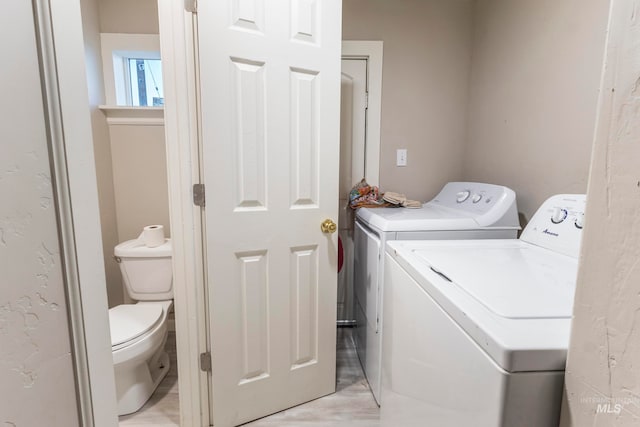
[{"x": 139, "y": 331}]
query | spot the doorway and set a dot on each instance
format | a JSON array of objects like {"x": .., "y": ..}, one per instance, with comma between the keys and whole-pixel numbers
[
  {"x": 353, "y": 145},
  {"x": 361, "y": 88}
]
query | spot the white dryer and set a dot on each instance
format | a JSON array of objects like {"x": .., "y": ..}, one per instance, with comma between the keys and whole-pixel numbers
[
  {"x": 476, "y": 332},
  {"x": 462, "y": 210}
]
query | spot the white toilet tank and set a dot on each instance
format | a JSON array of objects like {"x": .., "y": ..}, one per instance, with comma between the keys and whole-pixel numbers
[{"x": 147, "y": 272}]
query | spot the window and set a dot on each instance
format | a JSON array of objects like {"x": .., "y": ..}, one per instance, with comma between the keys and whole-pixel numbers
[
  {"x": 145, "y": 82},
  {"x": 132, "y": 70}
]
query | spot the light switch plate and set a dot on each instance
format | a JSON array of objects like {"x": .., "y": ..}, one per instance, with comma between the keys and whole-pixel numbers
[{"x": 401, "y": 157}]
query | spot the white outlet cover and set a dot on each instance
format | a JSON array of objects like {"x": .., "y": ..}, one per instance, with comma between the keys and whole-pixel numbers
[{"x": 401, "y": 157}]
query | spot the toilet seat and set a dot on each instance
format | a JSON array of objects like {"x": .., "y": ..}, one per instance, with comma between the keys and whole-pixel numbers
[{"x": 132, "y": 322}]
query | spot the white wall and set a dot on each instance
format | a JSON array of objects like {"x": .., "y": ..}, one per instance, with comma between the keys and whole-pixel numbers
[
  {"x": 102, "y": 149},
  {"x": 602, "y": 365},
  {"x": 37, "y": 384},
  {"x": 427, "y": 52},
  {"x": 534, "y": 85}
]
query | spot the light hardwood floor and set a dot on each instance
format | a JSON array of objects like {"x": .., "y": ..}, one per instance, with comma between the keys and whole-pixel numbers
[{"x": 351, "y": 406}]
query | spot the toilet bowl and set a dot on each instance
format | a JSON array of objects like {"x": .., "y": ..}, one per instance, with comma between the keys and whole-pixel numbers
[{"x": 139, "y": 331}]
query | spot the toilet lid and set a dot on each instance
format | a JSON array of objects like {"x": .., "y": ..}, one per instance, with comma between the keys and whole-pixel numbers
[{"x": 129, "y": 321}]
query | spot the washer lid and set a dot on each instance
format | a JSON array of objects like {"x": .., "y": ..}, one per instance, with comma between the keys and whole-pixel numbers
[
  {"x": 428, "y": 217},
  {"x": 512, "y": 298},
  {"x": 516, "y": 281},
  {"x": 129, "y": 321}
]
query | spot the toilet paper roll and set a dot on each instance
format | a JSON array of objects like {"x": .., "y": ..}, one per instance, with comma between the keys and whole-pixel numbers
[{"x": 152, "y": 235}]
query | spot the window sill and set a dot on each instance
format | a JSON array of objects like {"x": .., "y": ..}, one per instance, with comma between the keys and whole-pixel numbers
[{"x": 132, "y": 116}]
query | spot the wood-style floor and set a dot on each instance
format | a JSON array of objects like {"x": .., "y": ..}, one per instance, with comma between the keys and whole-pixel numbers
[{"x": 351, "y": 406}]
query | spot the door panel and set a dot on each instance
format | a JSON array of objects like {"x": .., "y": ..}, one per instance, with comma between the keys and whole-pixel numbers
[
  {"x": 248, "y": 15},
  {"x": 270, "y": 84},
  {"x": 249, "y": 117},
  {"x": 305, "y": 184},
  {"x": 304, "y": 303},
  {"x": 254, "y": 321}
]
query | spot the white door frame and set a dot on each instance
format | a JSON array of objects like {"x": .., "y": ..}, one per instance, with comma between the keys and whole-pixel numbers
[
  {"x": 372, "y": 52},
  {"x": 179, "y": 68},
  {"x": 59, "y": 23}
]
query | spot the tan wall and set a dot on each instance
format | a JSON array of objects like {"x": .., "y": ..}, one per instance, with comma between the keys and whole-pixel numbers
[
  {"x": 129, "y": 16},
  {"x": 140, "y": 178},
  {"x": 102, "y": 150},
  {"x": 534, "y": 85},
  {"x": 427, "y": 48},
  {"x": 605, "y": 340},
  {"x": 120, "y": 156}
]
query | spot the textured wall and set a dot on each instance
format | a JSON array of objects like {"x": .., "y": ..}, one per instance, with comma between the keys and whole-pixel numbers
[
  {"x": 602, "y": 376},
  {"x": 36, "y": 370},
  {"x": 427, "y": 52},
  {"x": 535, "y": 75}
]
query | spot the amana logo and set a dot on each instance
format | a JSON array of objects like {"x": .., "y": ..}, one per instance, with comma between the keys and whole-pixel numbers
[{"x": 551, "y": 233}]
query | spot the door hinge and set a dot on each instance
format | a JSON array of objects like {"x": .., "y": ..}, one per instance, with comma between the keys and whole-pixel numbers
[
  {"x": 191, "y": 6},
  {"x": 366, "y": 100},
  {"x": 198, "y": 195},
  {"x": 205, "y": 361}
]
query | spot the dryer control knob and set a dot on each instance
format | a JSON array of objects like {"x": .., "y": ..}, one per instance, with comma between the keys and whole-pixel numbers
[
  {"x": 476, "y": 198},
  {"x": 580, "y": 220},
  {"x": 462, "y": 196},
  {"x": 558, "y": 215}
]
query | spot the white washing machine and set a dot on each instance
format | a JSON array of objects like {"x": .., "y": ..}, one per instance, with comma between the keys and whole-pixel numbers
[
  {"x": 476, "y": 332},
  {"x": 462, "y": 210}
]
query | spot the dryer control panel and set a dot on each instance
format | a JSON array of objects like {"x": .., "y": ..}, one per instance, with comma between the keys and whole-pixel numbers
[
  {"x": 557, "y": 224},
  {"x": 485, "y": 202}
]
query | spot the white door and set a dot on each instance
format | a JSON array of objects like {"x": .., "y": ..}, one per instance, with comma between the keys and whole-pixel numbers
[
  {"x": 270, "y": 103},
  {"x": 353, "y": 114}
]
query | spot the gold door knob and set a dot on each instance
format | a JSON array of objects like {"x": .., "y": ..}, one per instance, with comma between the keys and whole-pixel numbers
[{"x": 328, "y": 226}]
